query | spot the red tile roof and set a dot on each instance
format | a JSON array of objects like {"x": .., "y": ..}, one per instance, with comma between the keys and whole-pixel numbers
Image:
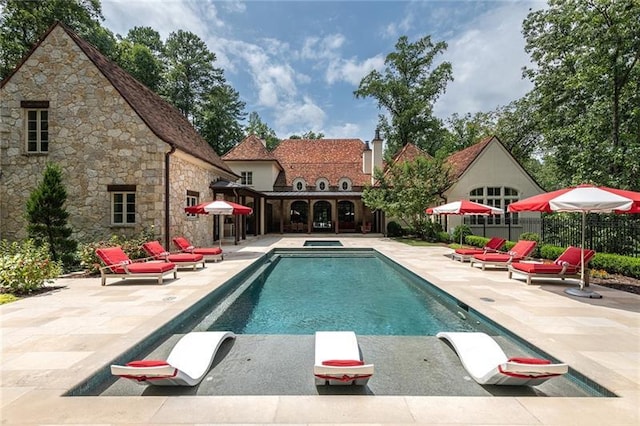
[
  {"x": 410, "y": 152},
  {"x": 311, "y": 159},
  {"x": 252, "y": 148},
  {"x": 461, "y": 160},
  {"x": 162, "y": 118}
]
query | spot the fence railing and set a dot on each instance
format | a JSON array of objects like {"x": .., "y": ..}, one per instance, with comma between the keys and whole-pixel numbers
[{"x": 604, "y": 233}]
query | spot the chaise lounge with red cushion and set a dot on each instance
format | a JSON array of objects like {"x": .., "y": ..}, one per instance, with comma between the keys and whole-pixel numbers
[
  {"x": 182, "y": 260},
  {"x": 338, "y": 360},
  {"x": 520, "y": 251},
  {"x": 567, "y": 265},
  {"x": 492, "y": 246},
  {"x": 118, "y": 264},
  {"x": 209, "y": 253}
]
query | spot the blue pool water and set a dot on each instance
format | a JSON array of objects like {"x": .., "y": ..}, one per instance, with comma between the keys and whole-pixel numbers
[
  {"x": 322, "y": 243},
  {"x": 301, "y": 294}
]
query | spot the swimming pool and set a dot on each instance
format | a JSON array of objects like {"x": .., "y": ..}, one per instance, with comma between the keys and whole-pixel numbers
[
  {"x": 309, "y": 291},
  {"x": 322, "y": 243},
  {"x": 279, "y": 364}
]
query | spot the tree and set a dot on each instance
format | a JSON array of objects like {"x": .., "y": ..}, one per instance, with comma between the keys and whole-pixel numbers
[
  {"x": 190, "y": 75},
  {"x": 47, "y": 217},
  {"x": 407, "y": 91},
  {"x": 219, "y": 120},
  {"x": 22, "y": 23},
  {"x": 587, "y": 84},
  {"x": 405, "y": 189},
  {"x": 257, "y": 127},
  {"x": 140, "y": 62},
  {"x": 308, "y": 135}
]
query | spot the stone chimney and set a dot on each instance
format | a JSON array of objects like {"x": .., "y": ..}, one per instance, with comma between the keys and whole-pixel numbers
[
  {"x": 366, "y": 159},
  {"x": 376, "y": 152}
]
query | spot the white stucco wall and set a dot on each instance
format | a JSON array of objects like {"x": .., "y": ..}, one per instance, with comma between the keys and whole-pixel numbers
[{"x": 264, "y": 172}]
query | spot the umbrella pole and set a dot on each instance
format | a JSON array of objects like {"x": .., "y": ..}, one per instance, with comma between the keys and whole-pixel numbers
[
  {"x": 581, "y": 292},
  {"x": 221, "y": 225}
]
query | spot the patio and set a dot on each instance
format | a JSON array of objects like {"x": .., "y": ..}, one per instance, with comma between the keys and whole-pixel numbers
[{"x": 52, "y": 342}]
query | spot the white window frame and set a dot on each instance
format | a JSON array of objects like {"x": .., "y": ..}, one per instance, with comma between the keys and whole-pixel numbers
[
  {"x": 192, "y": 200},
  {"x": 246, "y": 178},
  {"x": 128, "y": 208},
  {"x": 319, "y": 182},
  {"x": 495, "y": 196},
  {"x": 341, "y": 183},
  {"x": 38, "y": 139},
  {"x": 301, "y": 181}
]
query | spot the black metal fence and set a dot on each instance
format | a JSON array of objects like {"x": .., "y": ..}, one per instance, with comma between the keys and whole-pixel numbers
[{"x": 604, "y": 233}]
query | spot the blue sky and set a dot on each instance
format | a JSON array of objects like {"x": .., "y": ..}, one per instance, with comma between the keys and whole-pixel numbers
[{"x": 297, "y": 63}]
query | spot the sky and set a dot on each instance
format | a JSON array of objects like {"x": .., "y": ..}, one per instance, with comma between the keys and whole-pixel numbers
[{"x": 297, "y": 63}]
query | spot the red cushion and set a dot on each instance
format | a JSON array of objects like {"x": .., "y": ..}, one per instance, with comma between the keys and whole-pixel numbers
[
  {"x": 207, "y": 250},
  {"x": 469, "y": 252},
  {"x": 147, "y": 363},
  {"x": 493, "y": 257},
  {"x": 184, "y": 257},
  {"x": 542, "y": 268},
  {"x": 113, "y": 256},
  {"x": 343, "y": 362},
  {"x": 182, "y": 243},
  {"x": 530, "y": 360},
  {"x": 573, "y": 256},
  {"x": 150, "y": 267},
  {"x": 154, "y": 248}
]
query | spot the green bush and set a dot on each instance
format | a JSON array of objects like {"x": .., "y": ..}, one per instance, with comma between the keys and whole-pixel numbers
[
  {"x": 444, "y": 237},
  {"x": 465, "y": 230},
  {"x": 132, "y": 246},
  {"x": 477, "y": 241},
  {"x": 394, "y": 229},
  {"x": 25, "y": 267}
]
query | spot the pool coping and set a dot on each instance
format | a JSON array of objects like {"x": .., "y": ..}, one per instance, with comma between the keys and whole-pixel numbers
[{"x": 78, "y": 329}]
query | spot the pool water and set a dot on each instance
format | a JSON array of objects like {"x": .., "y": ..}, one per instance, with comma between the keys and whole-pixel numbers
[
  {"x": 302, "y": 294},
  {"x": 322, "y": 243}
]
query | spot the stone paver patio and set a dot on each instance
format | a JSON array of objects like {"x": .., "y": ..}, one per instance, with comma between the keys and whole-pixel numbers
[{"x": 52, "y": 342}]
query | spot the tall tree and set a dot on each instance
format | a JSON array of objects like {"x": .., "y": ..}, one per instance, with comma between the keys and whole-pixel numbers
[
  {"x": 141, "y": 63},
  {"x": 586, "y": 76},
  {"x": 257, "y": 127},
  {"x": 219, "y": 120},
  {"x": 308, "y": 135},
  {"x": 22, "y": 23},
  {"x": 47, "y": 217},
  {"x": 190, "y": 72},
  {"x": 406, "y": 188},
  {"x": 407, "y": 90}
]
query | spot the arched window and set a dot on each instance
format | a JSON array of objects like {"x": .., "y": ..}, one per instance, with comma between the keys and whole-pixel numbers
[
  {"x": 346, "y": 213},
  {"x": 344, "y": 184},
  {"x": 322, "y": 216},
  {"x": 495, "y": 196},
  {"x": 299, "y": 184},
  {"x": 322, "y": 184},
  {"x": 299, "y": 212}
]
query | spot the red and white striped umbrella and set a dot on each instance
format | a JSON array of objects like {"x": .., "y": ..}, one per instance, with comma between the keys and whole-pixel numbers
[
  {"x": 219, "y": 207},
  {"x": 464, "y": 207}
]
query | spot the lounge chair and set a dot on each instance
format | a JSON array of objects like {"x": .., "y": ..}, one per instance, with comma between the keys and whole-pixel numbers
[
  {"x": 209, "y": 253},
  {"x": 492, "y": 246},
  {"x": 182, "y": 260},
  {"x": 187, "y": 364},
  {"x": 338, "y": 360},
  {"x": 567, "y": 265},
  {"x": 487, "y": 364},
  {"x": 518, "y": 252},
  {"x": 118, "y": 264}
]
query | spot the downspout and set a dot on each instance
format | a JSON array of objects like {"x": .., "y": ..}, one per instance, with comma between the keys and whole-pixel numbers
[{"x": 167, "y": 192}]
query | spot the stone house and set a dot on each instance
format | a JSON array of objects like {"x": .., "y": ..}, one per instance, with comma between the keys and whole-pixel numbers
[{"x": 130, "y": 160}]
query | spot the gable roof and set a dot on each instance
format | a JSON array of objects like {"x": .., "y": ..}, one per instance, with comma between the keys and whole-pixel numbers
[
  {"x": 461, "y": 160},
  {"x": 252, "y": 148},
  {"x": 162, "y": 118},
  {"x": 311, "y": 159}
]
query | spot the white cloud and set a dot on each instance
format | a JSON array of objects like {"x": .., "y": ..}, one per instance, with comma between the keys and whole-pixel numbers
[
  {"x": 352, "y": 71},
  {"x": 487, "y": 59},
  {"x": 322, "y": 48},
  {"x": 299, "y": 117},
  {"x": 344, "y": 130}
]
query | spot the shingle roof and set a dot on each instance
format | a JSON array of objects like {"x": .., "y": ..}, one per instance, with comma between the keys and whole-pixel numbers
[
  {"x": 311, "y": 159},
  {"x": 162, "y": 118},
  {"x": 461, "y": 160},
  {"x": 252, "y": 148},
  {"x": 410, "y": 152}
]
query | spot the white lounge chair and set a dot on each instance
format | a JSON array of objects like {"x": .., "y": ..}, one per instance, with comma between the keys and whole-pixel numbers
[
  {"x": 338, "y": 360},
  {"x": 186, "y": 365},
  {"x": 487, "y": 364}
]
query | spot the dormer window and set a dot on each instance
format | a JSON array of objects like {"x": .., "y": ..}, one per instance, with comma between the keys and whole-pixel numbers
[
  {"x": 299, "y": 184},
  {"x": 344, "y": 184},
  {"x": 322, "y": 184}
]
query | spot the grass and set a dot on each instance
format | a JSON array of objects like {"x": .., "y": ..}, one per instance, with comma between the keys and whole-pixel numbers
[
  {"x": 421, "y": 243},
  {"x": 7, "y": 298}
]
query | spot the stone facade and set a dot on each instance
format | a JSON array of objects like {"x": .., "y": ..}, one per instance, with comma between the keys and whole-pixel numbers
[{"x": 98, "y": 140}]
